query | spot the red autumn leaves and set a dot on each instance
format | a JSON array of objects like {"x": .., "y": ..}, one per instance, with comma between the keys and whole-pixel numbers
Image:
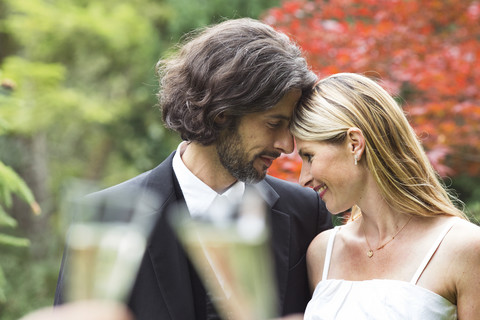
[{"x": 425, "y": 52}]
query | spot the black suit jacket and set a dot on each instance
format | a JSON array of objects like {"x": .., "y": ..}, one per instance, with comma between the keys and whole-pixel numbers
[{"x": 163, "y": 287}]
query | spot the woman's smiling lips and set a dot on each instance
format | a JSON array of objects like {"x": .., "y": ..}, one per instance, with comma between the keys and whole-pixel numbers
[{"x": 321, "y": 189}]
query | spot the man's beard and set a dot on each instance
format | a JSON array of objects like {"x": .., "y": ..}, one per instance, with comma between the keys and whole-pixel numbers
[{"x": 233, "y": 157}]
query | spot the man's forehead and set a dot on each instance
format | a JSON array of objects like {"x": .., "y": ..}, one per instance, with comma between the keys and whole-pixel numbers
[{"x": 283, "y": 109}]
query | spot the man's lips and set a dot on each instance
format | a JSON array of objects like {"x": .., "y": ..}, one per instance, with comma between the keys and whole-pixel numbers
[
  {"x": 267, "y": 160},
  {"x": 321, "y": 189}
]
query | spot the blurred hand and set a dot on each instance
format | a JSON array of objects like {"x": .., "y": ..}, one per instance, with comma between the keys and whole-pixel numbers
[
  {"x": 297, "y": 316},
  {"x": 92, "y": 310}
]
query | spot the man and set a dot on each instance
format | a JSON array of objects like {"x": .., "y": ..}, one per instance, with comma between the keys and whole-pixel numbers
[{"x": 230, "y": 92}]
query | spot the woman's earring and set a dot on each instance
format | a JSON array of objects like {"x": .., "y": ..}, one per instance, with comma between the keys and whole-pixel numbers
[{"x": 356, "y": 159}]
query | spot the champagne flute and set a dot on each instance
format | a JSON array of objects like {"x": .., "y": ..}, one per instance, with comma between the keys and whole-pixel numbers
[
  {"x": 232, "y": 256},
  {"x": 106, "y": 242}
]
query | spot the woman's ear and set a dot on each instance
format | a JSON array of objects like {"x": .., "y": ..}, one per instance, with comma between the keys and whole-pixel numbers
[{"x": 356, "y": 143}]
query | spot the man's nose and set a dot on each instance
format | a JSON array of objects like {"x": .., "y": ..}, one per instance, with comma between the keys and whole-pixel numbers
[{"x": 284, "y": 142}]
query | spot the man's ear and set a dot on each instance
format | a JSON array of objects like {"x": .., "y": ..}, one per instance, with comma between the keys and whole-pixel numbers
[{"x": 356, "y": 142}]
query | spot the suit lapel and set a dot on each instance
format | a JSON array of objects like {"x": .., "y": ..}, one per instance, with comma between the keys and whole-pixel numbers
[
  {"x": 280, "y": 237},
  {"x": 166, "y": 253}
]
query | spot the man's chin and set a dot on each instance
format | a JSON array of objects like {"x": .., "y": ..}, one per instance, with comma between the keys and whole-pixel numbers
[
  {"x": 253, "y": 179},
  {"x": 259, "y": 177}
]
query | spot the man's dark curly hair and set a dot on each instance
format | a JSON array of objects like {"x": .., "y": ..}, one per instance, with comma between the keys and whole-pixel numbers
[{"x": 233, "y": 68}]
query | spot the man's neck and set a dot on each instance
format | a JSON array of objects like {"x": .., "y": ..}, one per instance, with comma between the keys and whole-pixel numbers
[{"x": 204, "y": 163}]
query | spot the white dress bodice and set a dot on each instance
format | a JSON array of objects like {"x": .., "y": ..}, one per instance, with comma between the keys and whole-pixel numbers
[{"x": 378, "y": 298}]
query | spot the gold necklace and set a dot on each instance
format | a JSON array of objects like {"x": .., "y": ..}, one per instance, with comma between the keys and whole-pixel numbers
[{"x": 370, "y": 251}]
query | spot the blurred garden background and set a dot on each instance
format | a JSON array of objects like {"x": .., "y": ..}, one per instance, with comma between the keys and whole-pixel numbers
[{"x": 77, "y": 99}]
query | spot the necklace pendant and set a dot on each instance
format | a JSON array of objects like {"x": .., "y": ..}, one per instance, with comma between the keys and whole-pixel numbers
[{"x": 370, "y": 253}]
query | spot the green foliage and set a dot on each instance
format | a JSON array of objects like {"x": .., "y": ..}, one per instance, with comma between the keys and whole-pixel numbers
[
  {"x": 8, "y": 240},
  {"x": 11, "y": 183},
  {"x": 468, "y": 189},
  {"x": 3, "y": 283},
  {"x": 191, "y": 14},
  {"x": 34, "y": 83},
  {"x": 6, "y": 220},
  {"x": 30, "y": 281}
]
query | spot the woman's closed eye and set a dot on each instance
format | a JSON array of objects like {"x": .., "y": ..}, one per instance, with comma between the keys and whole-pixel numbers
[{"x": 307, "y": 157}]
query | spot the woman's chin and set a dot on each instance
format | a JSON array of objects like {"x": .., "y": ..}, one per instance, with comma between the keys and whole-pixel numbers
[
  {"x": 335, "y": 210},
  {"x": 332, "y": 209}
]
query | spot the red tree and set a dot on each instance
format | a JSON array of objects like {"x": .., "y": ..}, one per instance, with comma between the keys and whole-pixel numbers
[{"x": 426, "y": 52}]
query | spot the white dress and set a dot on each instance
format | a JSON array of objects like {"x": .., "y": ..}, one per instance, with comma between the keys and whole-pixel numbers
[{"x": 378, "y": 298}]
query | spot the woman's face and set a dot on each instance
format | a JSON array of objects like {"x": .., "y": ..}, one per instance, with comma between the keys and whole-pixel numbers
[{"x": 331, "y": 171}]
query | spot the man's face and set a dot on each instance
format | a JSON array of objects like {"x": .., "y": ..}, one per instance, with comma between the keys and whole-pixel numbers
[{"x": 249, "y": 149}]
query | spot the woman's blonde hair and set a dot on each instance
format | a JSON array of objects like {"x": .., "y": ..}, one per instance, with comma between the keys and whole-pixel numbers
[{"x": 393, "y": 152}]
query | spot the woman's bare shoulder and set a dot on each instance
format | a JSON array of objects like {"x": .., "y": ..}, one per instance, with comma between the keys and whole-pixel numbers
[
  {"x": 319, "y": 243},
  {"x": 461, "y": 248},
  {"x": 464, "y": 245},
  {"x": 465, "y": 241},
  {"x": 316, "y": 257},
  {"x": 465, "y": 236}
]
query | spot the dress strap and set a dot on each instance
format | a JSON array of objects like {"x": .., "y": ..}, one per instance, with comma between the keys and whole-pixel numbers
[
  {"x": 432, "y": 250},
  {"x": 328, "y": 254}
]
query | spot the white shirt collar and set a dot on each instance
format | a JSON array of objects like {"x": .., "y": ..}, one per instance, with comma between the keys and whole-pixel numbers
[{"x": 198, "y": 195}]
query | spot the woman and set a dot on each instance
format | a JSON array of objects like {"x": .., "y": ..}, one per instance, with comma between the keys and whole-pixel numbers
[{"x": 406, "y": 252}]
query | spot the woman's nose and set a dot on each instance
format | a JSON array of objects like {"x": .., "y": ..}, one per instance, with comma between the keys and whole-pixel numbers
[{"x": 306, "y": 179}]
